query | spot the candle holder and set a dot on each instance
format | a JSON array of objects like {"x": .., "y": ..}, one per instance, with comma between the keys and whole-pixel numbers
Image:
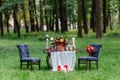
[{"x": 47, "y": 39}]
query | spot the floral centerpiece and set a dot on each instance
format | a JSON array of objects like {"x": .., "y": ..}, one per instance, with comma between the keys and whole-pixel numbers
[
  {"x": 57, "y": 44},
  {"x": 60, "y": 43}
]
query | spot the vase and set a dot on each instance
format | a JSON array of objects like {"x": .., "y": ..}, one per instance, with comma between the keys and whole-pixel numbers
[{"x": 60, "y": 48}]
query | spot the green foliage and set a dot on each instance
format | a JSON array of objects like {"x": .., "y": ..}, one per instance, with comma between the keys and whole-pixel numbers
[
  {"x": 8, "y": 5},
  {"x": 108, "y": 60}
]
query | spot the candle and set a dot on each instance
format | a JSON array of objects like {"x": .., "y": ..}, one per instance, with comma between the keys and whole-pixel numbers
[
  {"x": 47, "y": 43},
  {"x": 51, "y": 38},
  {"x": 47, "y": 35},
  {"x": 73, "y": 41}
]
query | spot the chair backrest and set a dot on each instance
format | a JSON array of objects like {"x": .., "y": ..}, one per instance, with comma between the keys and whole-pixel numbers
[
  {"x": 23, "y": 50},
  {"x": 97, "y": 49}
]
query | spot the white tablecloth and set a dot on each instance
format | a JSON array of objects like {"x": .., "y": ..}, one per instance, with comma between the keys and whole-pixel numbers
[{"x": 63, "y": 58}]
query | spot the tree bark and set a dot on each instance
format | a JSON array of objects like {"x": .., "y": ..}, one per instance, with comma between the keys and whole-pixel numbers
[
  {"x": 98, "y": 19},
  {"x": 104, "y": 16},
  {"x": 25, "y": 20},
  {"x": 92, "y": 20},
  {"x": 36, "y": 18},
  {"x": 63, "y": 15},
  {"x": 1, "y": 22},
  {"x": 32, "y": 17},
  {"x": 84, "y": 17},
  {"x": 109, "y": 16},
  {"x": 46, "y": 18},
  {"x": 41, "y": 16},
  {"x": 16, "y": 23},
  {"x": 7, "y": 16},
  {"x": 57, "y": 13},
  {"x": 79, "y": 18},
  {"x": 119, "y": 16}
]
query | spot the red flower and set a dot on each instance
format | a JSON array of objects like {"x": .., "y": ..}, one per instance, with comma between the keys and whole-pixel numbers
[
  {"x": 61, "y": 41},
  {"x": 89, "y": 49}
]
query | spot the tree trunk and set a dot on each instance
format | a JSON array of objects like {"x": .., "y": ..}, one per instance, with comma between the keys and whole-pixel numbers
[
  {"x": 63, "y": 15},
  {"x": 16, "y": 23},
  {"x": 109, "y": 16},
  {"x": 25, "y": 20},
  {"x": 84, "y": 16},
  {"x": 36, "y": 19},
  {"x": 92, "y": 20},
  {"x": 46, "y": 18},
  {"x": 32, "y": 17},
  {"x": 79, "y": 18},
  {"x": 57, "y": 13},
  {"x": 119, "y": 16},
  {"x": 7, "y": 16},
  {"x": 104, "y": 16},
  {"x": 98, "y": 19},
  {"x": 66, "y": 15},
  {"x": 1, "y": 21},
  {"x": 41, "y": 16},
  {"x": 52, "y": 20}
]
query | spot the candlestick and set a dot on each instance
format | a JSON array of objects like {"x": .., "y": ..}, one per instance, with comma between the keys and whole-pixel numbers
[
  {"x": 47, "y": 43},
  {"x": 73, "y": 41},
  {"x": 47, "y": 36}
]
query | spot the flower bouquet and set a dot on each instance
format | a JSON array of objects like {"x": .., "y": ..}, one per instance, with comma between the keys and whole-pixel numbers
[
  {"x": 89, "y": 49},
  {"x": 60, "y": 43}
]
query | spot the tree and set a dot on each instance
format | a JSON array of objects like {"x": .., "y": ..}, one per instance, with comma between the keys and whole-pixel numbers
[
  {"x": 109, "y": 16},
  {"x": 98, "y": 19},
  {"x": 1, "y": 21},
  {"x": 41, "y": 15},
  {"x": 84, "y": 17},
  {"x": 7, "y": 17},
  {"x": 57, "y": 13},
  {"x": 36, "y": 19},
  {"x": 79, "y": 18},
  {"x": 32, "y": 16},
  {"x": 24, "y": 16},
  {"x": 16, "y": 22},
  {"x": 46, "y": 15},
  {"x": 104, "y": 16},
  {"x": 63, "y": 15},
  {"x": 92, "y": 20}
]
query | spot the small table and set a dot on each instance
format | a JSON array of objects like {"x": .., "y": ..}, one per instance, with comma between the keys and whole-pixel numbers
[{"x": 63, "y": 58}]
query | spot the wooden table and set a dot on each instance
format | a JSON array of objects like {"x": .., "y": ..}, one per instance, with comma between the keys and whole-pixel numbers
[
  {"x": 48, "y": 56},
  {"x": 62, "y": 58}
]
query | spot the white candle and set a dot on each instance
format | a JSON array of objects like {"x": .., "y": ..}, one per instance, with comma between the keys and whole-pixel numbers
[
  {"x": 47, "y": 35},
  {"x": 73, "y": 41},
  {"x": 51, "y": 38},
  {"x": 47, "y": 43}
]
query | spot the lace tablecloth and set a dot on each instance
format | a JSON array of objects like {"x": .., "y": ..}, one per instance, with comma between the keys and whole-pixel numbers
[{"x": 63, "y": 58}]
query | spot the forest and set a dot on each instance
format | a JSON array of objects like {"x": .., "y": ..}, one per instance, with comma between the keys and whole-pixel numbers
[
  {"x": 59, "y": 16},
  {"x": 45, "y": 31}
]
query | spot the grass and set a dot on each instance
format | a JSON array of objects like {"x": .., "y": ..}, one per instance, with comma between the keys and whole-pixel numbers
[{"x": 109, "y": 58}]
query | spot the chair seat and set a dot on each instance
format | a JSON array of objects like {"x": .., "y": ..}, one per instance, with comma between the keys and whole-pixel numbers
[
  {"x": 88, "y": 58},
  {"x": 30, "y": 59}
]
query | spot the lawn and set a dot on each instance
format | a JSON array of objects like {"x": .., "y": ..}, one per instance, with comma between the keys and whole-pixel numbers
[{"x": 109, "y": 58}]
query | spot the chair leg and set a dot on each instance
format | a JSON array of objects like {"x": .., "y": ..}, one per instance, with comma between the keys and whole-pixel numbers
[
  {"x": 86, "y": 65},
  {"x": 96, "y": 64},
  {"x": 39, "y": 65},
  {"x": 20, "y": 65},
  {"x": 89, "y": 64},
  {"x": 31, "y": 65},
  {"x": 27, "y": 65},
  {"x": 78, "y": 63}
]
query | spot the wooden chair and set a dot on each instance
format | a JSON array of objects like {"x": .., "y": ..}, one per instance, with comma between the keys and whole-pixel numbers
[
  {"x": 89, "y": 59},
  {"x": 25, "y": 57}
]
